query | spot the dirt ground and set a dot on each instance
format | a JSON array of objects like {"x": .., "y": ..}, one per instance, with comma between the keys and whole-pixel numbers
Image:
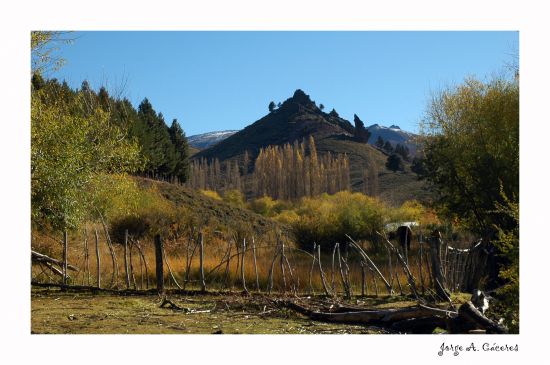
[{"x": 54, "y": 311}]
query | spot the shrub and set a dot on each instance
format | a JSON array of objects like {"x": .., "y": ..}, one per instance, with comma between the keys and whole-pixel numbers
[
  {"x": 234, "y": 197},
  {"x": 154, "y": 214},
  {"x": 268, "y": 207},
  {"x": 328, "y": 218},
  {"x": 211, "y": 194}
]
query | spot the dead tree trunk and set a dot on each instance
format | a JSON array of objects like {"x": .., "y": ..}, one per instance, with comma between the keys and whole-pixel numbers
[
  {"x": 469, "y": 313},
  {"x": 158, "y": 263}
]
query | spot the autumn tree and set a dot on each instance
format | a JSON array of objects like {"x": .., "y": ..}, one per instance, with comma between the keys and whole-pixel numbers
[
  {"x": 471, "y": 146},
  {"x": 288, "y": 172},
  {"x": 73, "y": 148},
  {"x": 45, "y": 46}
]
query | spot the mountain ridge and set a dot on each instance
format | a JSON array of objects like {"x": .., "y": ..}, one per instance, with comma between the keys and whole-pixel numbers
[{"x": 298, "y": 118}]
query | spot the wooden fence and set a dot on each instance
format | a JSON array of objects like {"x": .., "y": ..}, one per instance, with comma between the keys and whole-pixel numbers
[{"x": 433, "y": 269}]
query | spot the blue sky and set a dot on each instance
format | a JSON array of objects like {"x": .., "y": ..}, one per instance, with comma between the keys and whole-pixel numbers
[{"x": 225, "y": 80}]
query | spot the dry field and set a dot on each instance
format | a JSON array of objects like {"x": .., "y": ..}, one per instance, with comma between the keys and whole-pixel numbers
[{"x": 54, "y": 311}]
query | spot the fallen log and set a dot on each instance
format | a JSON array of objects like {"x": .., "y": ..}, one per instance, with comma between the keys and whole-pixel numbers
[
  {"x": 469, "y": 313},
  {"x": 374, "y": 317},
  {"x": 38, "y": 257},
  {"x": 414, "y": 319}
]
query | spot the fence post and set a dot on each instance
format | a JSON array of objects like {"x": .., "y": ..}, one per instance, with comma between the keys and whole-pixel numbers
[
  {"x": 255, "y": 265},
  {"x": 98, "y": 258},
  {"x": 363, "y": 277},
  {"x": 126, "y": 271},
  {"x": 203, "y": 283},
  {"x": 158, "y": 263},
  {"x": 243, "y": 279},
  {"x": 437, "y": 270},
  {"x": 65, "y": 254}
]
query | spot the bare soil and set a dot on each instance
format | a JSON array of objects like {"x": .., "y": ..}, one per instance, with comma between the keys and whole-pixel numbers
[{"x": 54, "y": 311}]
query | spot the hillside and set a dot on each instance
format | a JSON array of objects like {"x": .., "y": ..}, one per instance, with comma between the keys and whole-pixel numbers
[
  {"x": 208, "y": 209},
  {"x": 393, "y": 187},
  {"x": 299, "y": 117}
]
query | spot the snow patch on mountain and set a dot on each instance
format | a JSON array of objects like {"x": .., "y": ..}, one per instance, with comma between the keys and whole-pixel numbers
[{"x": 206, "y": 140}]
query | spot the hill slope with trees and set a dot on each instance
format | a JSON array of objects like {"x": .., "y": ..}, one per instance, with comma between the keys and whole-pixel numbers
[{"x": 295, "y": 121}]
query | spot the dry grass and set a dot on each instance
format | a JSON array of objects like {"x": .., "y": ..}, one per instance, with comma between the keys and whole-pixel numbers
[{"x": 216, "y": 279}]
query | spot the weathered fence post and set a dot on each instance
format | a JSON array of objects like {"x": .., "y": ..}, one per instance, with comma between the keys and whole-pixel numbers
[
  {"x": 437, "y": 273},
  {"x": 132, "y": 276},
  {"x": 283, "y": 264},
  {"x": 98, "y": 258},
  {"x": 421, "y": 250},
  {"x": 86, "y": 255},
  {"x": 158, "y": 263},
  {"x": 323, "y": 281},
  {"x": 363, "y": 277},
  {"x": 65, "y": 254},
  {"x": 126, "y": 270},
  {"x": 255, "y": 265},
  {"x": 312, "y": 291},
  {"x": 243, "y": 279},
  {"x": 203, "y": 283}
]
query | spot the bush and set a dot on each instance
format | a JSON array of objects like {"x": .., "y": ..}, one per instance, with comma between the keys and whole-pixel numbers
[
  {"x": 211, "y": 194},
  {"x": 154, "y": 214},
  {"x": 234, "y": 197},
  {"x": 328, "y": 218},
  {"x": 268, "y": 207}
]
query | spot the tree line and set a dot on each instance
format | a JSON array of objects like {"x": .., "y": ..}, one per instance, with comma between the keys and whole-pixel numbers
[
  {"x": 295, "y": 170},
  {"x": 285, "y": 172},
  {"x": 164, "y": 149}
]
